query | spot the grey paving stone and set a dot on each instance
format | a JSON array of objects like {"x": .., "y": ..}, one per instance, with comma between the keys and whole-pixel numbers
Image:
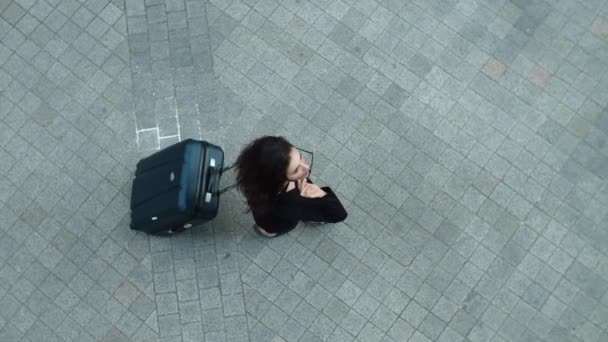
[
  {"x": 187, "y": 290},
  {"x": 274, "y": 318},
  {"x": 190, "y": 312},
  {"x": 13, "y": 12},
  {"x": 366, "y": 305},
  {"x": 292, "y": 330},
  {"x": 336, "y": 309},
  {"x": 586, "y": 280},
  {"x": 352, "y": 322},
  {"x": 414, "y": 314}
]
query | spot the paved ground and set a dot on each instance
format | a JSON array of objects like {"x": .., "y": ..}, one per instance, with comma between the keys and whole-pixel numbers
[{"x": 467, "y": 138}]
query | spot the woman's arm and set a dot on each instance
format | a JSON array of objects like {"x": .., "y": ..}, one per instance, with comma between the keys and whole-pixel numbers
[
  {"x": 323, "y": 209},
  {"x": 310, "y": 190}
]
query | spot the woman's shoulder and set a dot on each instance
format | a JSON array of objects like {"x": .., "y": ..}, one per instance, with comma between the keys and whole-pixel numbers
[{"x": 288, "y": 195}]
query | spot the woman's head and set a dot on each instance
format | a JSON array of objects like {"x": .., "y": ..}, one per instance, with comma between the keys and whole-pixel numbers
[
  {"x": 298, "y": 168},
  {"x": 264, "y": 166}
]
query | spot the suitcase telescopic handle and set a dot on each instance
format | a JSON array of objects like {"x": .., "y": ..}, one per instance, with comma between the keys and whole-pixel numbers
[
  {"x": 212, "y": 176},
  {"x": 229, "y": 187},
  {"x": 229, "y": 167}
]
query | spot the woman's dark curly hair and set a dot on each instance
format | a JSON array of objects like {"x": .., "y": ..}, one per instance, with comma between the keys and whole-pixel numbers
[{"x": 261, "y": 171}]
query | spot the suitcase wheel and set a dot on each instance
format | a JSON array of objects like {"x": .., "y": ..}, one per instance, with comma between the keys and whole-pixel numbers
[
  {"x": 186, "y": 226},
  {"x": 175, "y": 230}
]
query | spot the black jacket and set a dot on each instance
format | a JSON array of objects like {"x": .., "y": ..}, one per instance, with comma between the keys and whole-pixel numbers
[{"x": 291, "y": 207}]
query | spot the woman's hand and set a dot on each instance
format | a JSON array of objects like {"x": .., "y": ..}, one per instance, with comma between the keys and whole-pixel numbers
[
  {"x": 309, "y": 190},
  {"x": 302, "y": 184},
  {"x": 314, "y": 191}
]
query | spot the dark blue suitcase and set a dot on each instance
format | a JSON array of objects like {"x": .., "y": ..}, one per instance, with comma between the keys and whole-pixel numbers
[{"x": 177, "y": 188}]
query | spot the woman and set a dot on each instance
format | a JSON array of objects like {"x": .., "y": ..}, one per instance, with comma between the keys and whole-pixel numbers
[{"x": 273, "y": 176}]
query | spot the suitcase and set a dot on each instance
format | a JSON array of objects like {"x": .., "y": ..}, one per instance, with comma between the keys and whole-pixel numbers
[{"x": 177, "y": 188}]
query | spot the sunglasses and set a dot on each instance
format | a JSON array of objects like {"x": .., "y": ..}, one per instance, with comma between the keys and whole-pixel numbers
[{"x": 306, "y": 156}]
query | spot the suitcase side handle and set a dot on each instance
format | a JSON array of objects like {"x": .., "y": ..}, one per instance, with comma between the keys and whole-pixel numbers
[{"x": 213, "y": 176}]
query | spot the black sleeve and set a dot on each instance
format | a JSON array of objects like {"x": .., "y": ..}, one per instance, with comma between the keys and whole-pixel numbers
[{"x": 325, "y": 209}]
